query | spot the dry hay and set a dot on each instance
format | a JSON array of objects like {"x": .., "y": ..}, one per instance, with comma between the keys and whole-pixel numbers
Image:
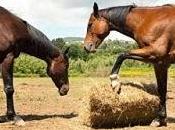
[{"x": 102, "y": 107}]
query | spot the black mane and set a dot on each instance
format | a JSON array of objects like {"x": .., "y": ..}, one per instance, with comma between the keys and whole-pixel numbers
[
  {"x": 117, "y": 15},
  {"x": 40, "y": 45}
]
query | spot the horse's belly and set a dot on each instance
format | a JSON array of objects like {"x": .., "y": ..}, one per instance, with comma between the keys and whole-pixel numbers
[
  {"x": 2, "y": 56},
  {"x": 5, "y": 48}
]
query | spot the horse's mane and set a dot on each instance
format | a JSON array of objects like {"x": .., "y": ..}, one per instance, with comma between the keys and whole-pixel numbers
[
  {"x": 40, "y": 41},
  {"x": 168, "y": 5},
  {"x": 117, "y": 15},
  {"x": 36, "y": 34}
]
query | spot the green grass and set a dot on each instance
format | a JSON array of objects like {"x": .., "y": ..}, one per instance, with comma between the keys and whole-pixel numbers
[
  {"x": 104, "y": 72},
  {"x": 142, "y": 71}
]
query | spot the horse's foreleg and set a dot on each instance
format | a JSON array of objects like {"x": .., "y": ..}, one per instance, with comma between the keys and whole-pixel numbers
[
  {"x": 7, "y": 75},
  {"x": 138, "y": 54},
  {"x": 121, "y": 58},
  {"x": 161, "y": 75}
]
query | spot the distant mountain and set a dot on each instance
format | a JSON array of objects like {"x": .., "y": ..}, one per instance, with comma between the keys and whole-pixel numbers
[{"x": 70, "y": 39}]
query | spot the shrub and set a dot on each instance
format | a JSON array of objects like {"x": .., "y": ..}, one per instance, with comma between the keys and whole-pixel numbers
[
  {"x": 81, "y": 63},
  {"x": 29, "y": 65}
]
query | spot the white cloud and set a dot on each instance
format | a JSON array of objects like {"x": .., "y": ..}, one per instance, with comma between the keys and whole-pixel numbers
[
  {"x": 64, "y": 13},
  {"x": 53, "y": 11}
]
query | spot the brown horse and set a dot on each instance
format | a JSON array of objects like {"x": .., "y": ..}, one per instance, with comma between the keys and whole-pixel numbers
[
  {"x": 154, "y": 30},
  {"x": 17, "y": 36}
]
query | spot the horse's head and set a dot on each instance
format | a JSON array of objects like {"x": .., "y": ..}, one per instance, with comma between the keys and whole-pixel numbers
[
  {"x": 58, "y": 70},
  {"x": 97, "y": 30}
]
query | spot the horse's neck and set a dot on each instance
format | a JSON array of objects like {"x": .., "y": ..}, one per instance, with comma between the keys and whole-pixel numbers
[
  {"x": 40, "y": 50},
  {"x": 39, "y": 45},
  {"x": 117, "y": 18}
]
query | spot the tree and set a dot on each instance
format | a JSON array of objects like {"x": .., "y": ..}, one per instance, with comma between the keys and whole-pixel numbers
[
  {"x": 59, "y": 42},
  {"x": 77, "y": 52}
]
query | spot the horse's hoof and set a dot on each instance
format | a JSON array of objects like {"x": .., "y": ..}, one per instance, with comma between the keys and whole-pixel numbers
[
  {"x": 158, "y": 123},
  {"x": 18, "y": 121},
  {"x": 115, "y": 83},
  {"x": 3, "y": 119}
]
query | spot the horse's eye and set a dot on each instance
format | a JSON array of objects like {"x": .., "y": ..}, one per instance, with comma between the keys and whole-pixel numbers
[{"x": 89, "y": 25}]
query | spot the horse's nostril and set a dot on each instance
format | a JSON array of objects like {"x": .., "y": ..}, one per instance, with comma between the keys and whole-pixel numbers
[{"x": 63, "y": 92}]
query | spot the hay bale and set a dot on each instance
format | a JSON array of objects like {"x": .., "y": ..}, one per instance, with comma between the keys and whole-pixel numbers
[{"x": 102, "y": 107}]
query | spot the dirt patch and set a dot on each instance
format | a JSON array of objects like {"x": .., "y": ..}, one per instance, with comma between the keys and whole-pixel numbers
[{"x": 39, "y": 104}]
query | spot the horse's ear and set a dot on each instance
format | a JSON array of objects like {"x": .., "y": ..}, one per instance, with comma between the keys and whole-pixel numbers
[
  {"x": 66, "y": 51},
  {"x": 95, "y": 9}
]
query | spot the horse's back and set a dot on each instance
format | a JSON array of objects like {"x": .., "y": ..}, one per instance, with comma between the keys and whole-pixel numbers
[
  {"x": 156, "y": 13},
  {"x": 155, "y": 21},
  {"x": 12, "y": 28}
]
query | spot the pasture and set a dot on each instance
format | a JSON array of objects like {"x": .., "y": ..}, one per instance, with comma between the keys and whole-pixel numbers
[{"x": 39, "y": 104}]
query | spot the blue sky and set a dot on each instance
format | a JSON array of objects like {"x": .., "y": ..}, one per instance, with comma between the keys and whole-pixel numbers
[{"x": 64, "y": 18}]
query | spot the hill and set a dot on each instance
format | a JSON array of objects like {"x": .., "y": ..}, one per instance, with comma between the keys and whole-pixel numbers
[{"x": 70, "y": 39}]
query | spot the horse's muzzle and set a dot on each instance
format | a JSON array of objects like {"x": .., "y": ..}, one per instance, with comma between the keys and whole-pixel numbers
[
  {"x": 64, "y": 90},
  {"x": 89, "y": 47}
]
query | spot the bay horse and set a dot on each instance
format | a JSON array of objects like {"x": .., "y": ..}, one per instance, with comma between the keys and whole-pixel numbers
[
  {"x": 153, "y": 28},
  {"x": 16, "y": 36}
]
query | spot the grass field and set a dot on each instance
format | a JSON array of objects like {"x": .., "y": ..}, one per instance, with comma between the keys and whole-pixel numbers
[{"x": 39, "y": 104}]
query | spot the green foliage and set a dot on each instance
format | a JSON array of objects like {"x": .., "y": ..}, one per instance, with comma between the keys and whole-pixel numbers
[
  {"x": 81, "y": 63},
  {"x": 115, "y": 47},
  {"x": 59, "y": 42},
  {"x": 28, "y": 65},
  {"x": 76, "y": 52}
]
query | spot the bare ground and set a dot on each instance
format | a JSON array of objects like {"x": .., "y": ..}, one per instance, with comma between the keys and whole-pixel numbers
[{"x": 39, "y": 104}]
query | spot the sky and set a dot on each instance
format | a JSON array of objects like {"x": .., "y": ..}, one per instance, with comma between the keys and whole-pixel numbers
[{"x": 67, "y": 18}]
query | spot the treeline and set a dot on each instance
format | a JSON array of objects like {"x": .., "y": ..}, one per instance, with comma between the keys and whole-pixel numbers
[{"x": 81, "y": 63}]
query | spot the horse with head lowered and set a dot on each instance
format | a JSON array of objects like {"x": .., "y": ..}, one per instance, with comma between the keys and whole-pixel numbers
[{"x": 16, "y": 36}]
